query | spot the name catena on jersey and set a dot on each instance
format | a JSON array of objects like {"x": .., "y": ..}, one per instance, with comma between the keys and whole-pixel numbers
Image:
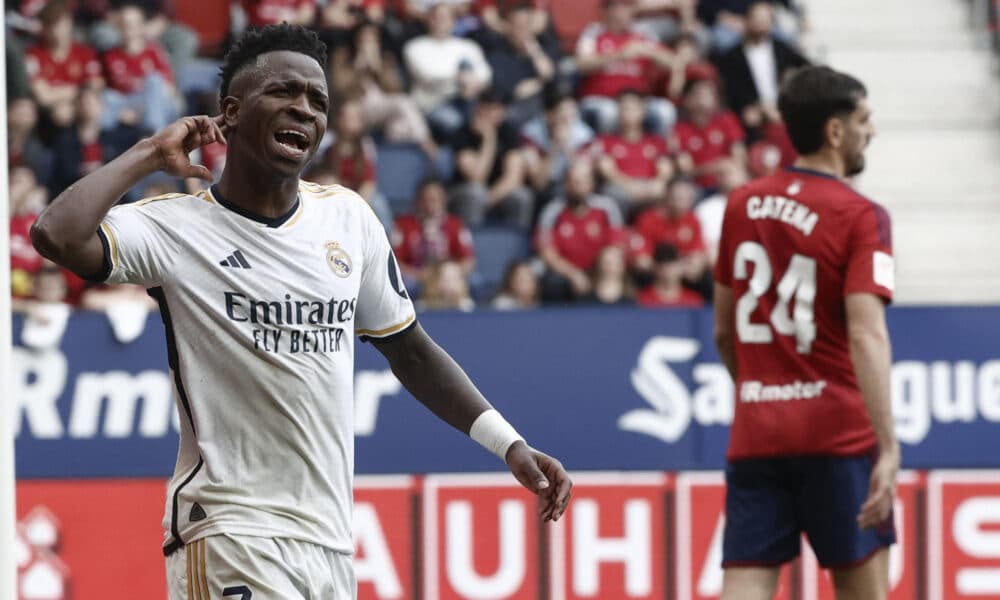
[
  {"x": 794, "y": 245},
  {"x": 260, "y": 320}
]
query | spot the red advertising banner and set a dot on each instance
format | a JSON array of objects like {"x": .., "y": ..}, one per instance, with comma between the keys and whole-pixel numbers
[
  {"x": 384, "y": 526},
  {"x": 477, "y": 536},
  {"x": 94, "y": 538},
  {"x": 905, "y": 566},
  {"x": 480, "y": 538},
  {"x": 963, "y": 535},
  {"x": 700, "y": 501},
  {"x": 612, "y": 542}
]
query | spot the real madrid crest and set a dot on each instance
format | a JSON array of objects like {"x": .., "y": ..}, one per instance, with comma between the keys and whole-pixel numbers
[{"x": 338, "y": 260}]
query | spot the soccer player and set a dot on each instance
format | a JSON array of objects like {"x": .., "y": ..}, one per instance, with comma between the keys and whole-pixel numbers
[
  {"x": 805, "y": 268},
  {"x": 263, "y": 280}
]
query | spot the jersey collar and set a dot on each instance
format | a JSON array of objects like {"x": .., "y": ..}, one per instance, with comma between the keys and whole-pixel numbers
[
  {"x": 274, "y": 222},
  {"x": 810, "y": 172}
]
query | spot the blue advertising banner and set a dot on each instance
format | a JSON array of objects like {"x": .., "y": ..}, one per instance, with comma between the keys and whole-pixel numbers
[{"x": 619, "y": 389}]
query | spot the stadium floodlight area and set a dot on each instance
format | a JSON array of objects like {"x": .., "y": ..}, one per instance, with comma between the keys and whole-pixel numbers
[{"x": 8, "y": 571}]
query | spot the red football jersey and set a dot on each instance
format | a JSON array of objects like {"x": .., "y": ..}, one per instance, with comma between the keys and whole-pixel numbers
[
  {"x": 707, "y": 144},
  {"x": 79, "y": 65},
  {"x": 793, "y": 246},
  {"x": 651, "y": 298},
  {"x": 578, "y": 238},
  {"x": 635, "y": 159},
  {"x": 683, "y": 233},
  {"x": 127, "y": 72},
  {"x": 418, "y": 245},
  {"x": 634, "y": 74},
  {"x": 25, "y": 261},
  {"x": 270, "y": 12}
]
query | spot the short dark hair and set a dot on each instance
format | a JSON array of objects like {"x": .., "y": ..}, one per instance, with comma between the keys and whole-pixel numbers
[
  {"x": 270, "y": 38},
  {"x": 53, "y": 11},
  {"x": 694, "y": 82},
  {"x": 136, "y": 4},
  {"x": 810, "y": 97},
  {"x": 666, "y": 253},
  {"x": 426, "y": 182}
]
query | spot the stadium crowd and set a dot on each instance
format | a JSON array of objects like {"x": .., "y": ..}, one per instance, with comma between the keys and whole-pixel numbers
[{"x": 519, "y": 152}]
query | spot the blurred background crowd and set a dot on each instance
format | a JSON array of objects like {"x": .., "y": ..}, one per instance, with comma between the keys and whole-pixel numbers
[{"x": 519, "y": 152}]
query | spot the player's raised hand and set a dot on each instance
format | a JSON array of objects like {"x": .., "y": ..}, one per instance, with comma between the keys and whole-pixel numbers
[
  {"x": 881, "y": 490},
  {"x": 544, "y": 476},
  {"x": 174, "y": 142}
]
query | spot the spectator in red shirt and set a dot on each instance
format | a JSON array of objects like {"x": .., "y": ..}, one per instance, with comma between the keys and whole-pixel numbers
[
  {"x": 672, "y": 221},
  {"x": 668, "y": 288},
  {"x": 27, "y": 199},
  {"x": 571, "y": 233},
  {"x": 60, "y": 66},
  {"x": 705, "y": 136},
  {"x": 688, "y": 64},
  {"x": 430, "y": 236},
  {"x": 665, "y": 19},
  {"x": 272, "y": 12},
  {"x": 612, "y": 57},
  {"x": 180, "y": 41},
  {"x": 635, "y": 165},
  {"x": 140, "y": 79}
]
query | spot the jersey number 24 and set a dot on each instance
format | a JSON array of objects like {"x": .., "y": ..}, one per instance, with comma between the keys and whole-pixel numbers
[{"x": 799, "y": 282}]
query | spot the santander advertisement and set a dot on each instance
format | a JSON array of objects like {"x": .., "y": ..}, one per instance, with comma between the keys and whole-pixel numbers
[{"x": 649, "y": 406}]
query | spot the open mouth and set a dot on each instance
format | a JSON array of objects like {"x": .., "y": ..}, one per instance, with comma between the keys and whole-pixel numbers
[{"x": 292, "y": 144}]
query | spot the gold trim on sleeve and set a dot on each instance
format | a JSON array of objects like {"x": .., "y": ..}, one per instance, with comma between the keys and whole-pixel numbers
[
  {"x": 114, "y": 245},
  {"x": 388, "y": 330}
]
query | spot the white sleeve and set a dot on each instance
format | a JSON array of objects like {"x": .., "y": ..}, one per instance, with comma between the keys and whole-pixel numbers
[
  {"x": 586, "y": 44},
  {"x": 384, "y": 306},
  {"x": 480, "y": 67},
  {"x": 138, "y": 248}
]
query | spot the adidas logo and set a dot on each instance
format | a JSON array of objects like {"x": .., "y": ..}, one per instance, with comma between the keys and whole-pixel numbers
[
  {"x": 197, "y": 513},
  {"x": 237, "y": 260}
]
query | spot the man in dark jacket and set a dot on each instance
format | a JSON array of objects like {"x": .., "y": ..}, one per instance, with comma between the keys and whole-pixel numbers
[{"x": 753, "y": 70}]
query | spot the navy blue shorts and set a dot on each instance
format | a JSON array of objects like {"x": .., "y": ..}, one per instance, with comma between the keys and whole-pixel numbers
[{"x": 771, "y": 502}]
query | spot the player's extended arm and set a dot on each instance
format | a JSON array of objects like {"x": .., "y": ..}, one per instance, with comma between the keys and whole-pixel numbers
[
  {"x": 436, "y": 380},
  {"x": 66, "y": 231},
  {"x": 722, "y": 298},
  {"x": 872, "y": 357}
]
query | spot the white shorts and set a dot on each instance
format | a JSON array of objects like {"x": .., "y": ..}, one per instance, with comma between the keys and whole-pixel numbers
[{"x": 228, "y": 567}]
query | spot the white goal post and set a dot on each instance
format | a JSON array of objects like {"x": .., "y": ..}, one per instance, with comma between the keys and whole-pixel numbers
[{"x": 8, "y": 571}]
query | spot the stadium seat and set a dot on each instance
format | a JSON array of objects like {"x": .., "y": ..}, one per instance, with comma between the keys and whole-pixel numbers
[
  {"x": 399, "y": 168},
  {"x": 210, "y": 20},
  {"x": 571, "y": 17},
  {"x": 496, "y": 247}
]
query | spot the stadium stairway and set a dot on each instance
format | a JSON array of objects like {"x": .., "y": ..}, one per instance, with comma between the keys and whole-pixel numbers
[{"x": 935, "y": 163}]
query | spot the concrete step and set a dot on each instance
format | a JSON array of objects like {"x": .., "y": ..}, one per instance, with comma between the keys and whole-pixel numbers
[
  {"x": 833, "y": 17},
  {"x": 935, "y": 163}
]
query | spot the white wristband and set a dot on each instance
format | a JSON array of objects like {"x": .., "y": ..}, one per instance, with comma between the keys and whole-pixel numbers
[{"x": 491, "y": 431}]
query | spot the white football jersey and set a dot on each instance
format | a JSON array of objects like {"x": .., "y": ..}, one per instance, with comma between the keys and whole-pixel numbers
[{"x": 260, "y": 320}]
